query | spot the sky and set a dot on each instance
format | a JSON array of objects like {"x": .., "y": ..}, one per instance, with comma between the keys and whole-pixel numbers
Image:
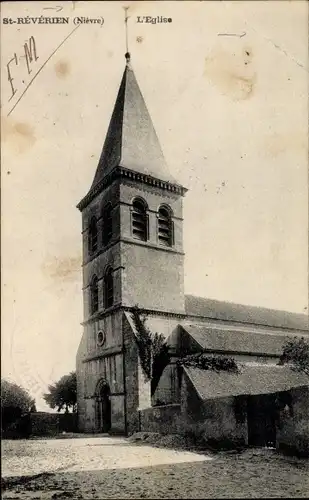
[{"x": 226, "y": 85}]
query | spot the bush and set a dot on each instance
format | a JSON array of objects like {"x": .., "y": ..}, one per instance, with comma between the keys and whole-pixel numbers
[
  {"x": 16, "y": 405},
  {"x": 296, "y": 352},
  {"x": 206, "y": 362}
]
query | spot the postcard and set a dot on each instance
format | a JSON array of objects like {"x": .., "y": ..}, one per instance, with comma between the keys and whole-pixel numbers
[{"x": 154, "y": 248}]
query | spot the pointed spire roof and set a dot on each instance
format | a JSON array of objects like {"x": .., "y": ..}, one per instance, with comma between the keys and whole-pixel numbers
[{"x": 131, "y": 140}]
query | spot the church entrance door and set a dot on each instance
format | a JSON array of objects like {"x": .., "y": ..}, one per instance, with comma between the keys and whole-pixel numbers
[{"x": 103, "y": 407}]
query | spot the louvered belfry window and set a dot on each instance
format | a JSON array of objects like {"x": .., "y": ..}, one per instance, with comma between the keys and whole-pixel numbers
[
  {"x": 107, "y": 224},
  {"x": 165, "y": 227},
  {"x": 139, "y": 220},
  {"x": 108, "y": 288},
  {"x": 93, "y": 236},
  {"x": 94, "y": 295}
]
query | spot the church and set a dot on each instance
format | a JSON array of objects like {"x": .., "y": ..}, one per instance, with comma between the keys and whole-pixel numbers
[{"x": 132, "y": 232}]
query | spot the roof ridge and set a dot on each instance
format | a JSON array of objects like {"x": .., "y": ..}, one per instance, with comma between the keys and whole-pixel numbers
[
  {"x": 218, "y": 301},
  {"x": 204, "y": 307}
]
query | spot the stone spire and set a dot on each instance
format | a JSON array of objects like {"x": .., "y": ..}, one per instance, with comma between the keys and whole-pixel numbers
[{"x": 131, "y": 141}]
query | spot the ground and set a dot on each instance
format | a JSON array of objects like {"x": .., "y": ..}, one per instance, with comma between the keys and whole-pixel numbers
[{"x": 113, "y": 467}]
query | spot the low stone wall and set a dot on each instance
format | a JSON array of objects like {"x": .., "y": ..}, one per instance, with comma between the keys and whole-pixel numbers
[
  {"x": 162, "y": 419},
  {"x": 216, "y": 424},
  {"x": 68, "y": 422},
  {"x": 50, "y": 424}
]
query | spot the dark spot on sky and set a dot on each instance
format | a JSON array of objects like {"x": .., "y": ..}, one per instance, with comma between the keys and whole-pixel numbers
[
  {"x": 62, "y": 69},
  {"x": 64, "y": 268},
  {"x": 8, "y": 172},
  {"x": 20, "y": 135},
  {"x": 248, "y": 53}
]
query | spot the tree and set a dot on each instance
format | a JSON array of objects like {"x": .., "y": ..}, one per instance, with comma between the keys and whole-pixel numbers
[
  {"x": 296, "y": 352},
  {"x": 63, "y": 394},
  {"x": 33, "y": 407},
  {"x": 15, "y": 403},
  {"x": 152, "y": 348}
]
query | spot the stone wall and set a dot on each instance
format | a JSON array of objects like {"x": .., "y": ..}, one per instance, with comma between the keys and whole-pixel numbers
[
  {"x": 131, "y": 377},
  {"x": 145, "y": 273},
  {"x": 50, "y": 424},
  {"x": 44, "y": 424},
  {"x": 167, "y": 391},
  {"x": 152, "y": 278},
  {"x": 154, "y": 197},
  {"x": 293, "y": 424},
  {"x": 214, "y": 422},
  {"x": 163, "y": 419},
  {"x": 152, "y": 274},
  {"x": 95, "y": 363},
  {"x": 117, "y": 414},
  {"x": 68, "y": 422}
]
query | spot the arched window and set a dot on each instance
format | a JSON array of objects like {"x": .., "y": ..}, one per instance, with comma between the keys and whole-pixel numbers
[
  {"x": 108, "y": 288},
  {"x": 94, "y": 295},
  {"x": 165, "y": 226},
  {"x": 93, "y": 236},
  {"x": 107, "y": 224},
  {"x": 139, "y": 220}
]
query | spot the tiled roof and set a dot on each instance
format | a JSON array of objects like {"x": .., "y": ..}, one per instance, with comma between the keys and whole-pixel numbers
[
  {"x": 233, "y": 341},
  {"x": 209, "y": 308},
  {"x": 253, "y": 379}
]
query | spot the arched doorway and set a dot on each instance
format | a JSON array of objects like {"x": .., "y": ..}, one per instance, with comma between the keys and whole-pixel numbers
[{"x": 103, "y": 407}]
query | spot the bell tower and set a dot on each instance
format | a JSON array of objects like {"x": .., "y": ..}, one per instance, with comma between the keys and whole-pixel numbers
[{"x": 132, "y": 216}]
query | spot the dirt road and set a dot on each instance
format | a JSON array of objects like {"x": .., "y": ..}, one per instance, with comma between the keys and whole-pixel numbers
[{"x": 106, "y": 467}]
